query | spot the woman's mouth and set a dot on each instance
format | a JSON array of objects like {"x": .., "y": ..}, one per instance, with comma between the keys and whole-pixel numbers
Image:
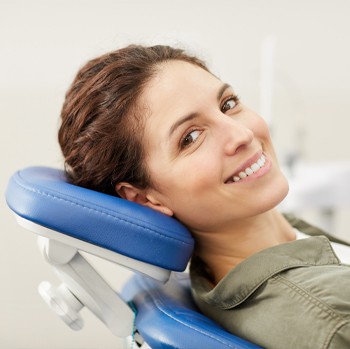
[{"x": 251, "y": 171}]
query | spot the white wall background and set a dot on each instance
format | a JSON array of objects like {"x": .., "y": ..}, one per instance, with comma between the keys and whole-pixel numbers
[{"x": 42, "y": 44}]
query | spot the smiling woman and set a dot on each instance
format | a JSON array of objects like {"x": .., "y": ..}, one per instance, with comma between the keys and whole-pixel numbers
[{"x": 154, "y": 126}]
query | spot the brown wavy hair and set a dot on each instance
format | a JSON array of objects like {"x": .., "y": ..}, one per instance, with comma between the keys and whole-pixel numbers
[{"x": 101, "y": 133}]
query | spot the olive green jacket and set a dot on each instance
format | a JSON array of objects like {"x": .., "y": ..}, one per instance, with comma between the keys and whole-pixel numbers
[{"x": 292, "y": 296}]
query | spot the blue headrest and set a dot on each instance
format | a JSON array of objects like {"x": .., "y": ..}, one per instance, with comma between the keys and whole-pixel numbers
[{"x": 43, "y": 196}]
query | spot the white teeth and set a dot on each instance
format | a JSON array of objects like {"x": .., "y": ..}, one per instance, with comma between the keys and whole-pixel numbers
[
  {"x": 249, "y": 171},
  {"x": 261, "y": 162},
  {"x": 255, "y": 167}
]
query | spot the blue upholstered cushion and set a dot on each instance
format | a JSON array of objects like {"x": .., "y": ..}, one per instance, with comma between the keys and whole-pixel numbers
[
  {"x": 167, "y": 318},
  {"x": 44, "y": 196}
]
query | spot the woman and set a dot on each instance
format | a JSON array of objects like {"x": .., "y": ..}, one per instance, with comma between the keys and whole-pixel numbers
[{"x": 154, "y": 126}]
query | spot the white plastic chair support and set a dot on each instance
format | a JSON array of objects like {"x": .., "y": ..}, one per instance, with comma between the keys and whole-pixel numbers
[{"x": 82, "y": 281}]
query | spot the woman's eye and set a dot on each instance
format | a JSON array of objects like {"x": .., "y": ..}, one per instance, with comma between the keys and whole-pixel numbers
[
  {"x": 230, "y": 103},
  {"x": 190, "y": 138}
]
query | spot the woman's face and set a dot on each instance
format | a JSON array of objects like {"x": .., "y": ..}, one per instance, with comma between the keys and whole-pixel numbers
[{"x": 199, "y": 141}]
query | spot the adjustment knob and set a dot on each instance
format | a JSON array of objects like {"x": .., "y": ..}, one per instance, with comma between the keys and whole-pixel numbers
[{"x": 63, "y": 303}]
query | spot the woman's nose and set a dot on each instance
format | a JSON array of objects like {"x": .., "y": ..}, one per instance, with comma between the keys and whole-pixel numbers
[{"x": 237, "y": 136}]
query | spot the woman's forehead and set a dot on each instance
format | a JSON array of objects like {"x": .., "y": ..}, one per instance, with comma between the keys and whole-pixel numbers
[
  {"x": 178, "y": 86},
  {"x": 176, "y": 71}
]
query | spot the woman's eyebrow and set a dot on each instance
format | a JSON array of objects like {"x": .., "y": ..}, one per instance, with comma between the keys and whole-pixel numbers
[
  {"x": 181, "y": 121},
  {"x": 223, "y": 88},
  {"x": 191, "y": 116}
]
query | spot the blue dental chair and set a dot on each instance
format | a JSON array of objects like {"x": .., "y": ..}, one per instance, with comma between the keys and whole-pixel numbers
[{"x": 155, "y": 309}]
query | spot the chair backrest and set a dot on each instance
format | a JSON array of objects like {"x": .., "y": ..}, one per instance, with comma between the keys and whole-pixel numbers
[{"x": 168, "y": 318}]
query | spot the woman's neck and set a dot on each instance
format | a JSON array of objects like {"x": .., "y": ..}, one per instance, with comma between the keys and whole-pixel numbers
[{"x": 223, "y": 250}]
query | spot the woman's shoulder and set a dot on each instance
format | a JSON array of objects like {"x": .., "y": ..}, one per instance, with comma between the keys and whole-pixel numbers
[
  {"x": 310, "y": 229},
  {"x": 296, "y": 287}
]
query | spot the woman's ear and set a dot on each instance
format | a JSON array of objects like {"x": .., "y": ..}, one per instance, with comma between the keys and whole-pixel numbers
[{"x": 128, "y": 192}]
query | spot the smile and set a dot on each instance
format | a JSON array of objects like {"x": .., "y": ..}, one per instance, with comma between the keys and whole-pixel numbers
[{"x": 253, "y": 170}]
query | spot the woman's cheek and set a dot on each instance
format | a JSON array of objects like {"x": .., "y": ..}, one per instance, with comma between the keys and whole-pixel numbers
[{"x": 204, "y": 171}]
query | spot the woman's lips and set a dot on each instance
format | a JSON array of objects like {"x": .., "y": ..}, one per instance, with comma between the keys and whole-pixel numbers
[{"x": 252, "y": 168}]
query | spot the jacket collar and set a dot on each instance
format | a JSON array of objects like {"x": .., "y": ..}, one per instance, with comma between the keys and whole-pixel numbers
[{"x": 247, "y": 276}]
